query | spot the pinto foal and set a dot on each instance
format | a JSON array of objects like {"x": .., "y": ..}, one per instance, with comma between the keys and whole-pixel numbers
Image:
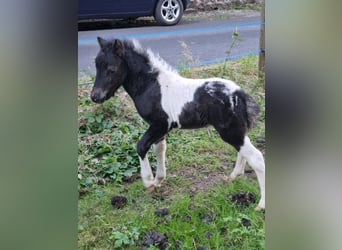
[{"x": 165, "y": 100}]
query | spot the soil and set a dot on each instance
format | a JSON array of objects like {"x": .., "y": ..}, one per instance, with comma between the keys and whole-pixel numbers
[
  {"x": 161, "y": 212},
  {"x": 246, "y": 222},
  {"x": 207, "y": 218},
  {"x": 119, "y": 201},
  {"x": 178, "y": 244},
  {"x": 101, "y": 181},
  {"x": 160, "y": 193},
  {"x": 155, "y": 238},
  {"x": 243, "y": 199},
  {"x": 208, "y": 235},
  {"x": 82, "y": 191},
  {"x": 199, "y": 178},
  {"x": 131, "y": 179}
]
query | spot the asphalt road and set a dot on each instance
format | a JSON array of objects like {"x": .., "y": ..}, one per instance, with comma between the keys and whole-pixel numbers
[{"x": 207, "y": 40}]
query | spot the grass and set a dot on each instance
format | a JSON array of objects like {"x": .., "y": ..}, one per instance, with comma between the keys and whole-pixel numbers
[
  {"x": 200, "y": 209},
  {"x": 205, "y": 219}
]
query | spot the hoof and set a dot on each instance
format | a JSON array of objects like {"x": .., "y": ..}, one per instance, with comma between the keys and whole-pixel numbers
[
  {"x": 261, "y": 205},
  {"x": 157, "y": 185},
  {"x": 227, "y": 178},
  {"x": 158, "y": 182},
  {"x": 258, "y": 208},
  {"x": 150, "y": 189}
]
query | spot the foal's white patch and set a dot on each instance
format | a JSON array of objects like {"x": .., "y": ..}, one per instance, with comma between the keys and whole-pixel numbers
[
  {"x": 234, "y": 101},
  {"x": 156, "y": 61},
  {"x": 176, "y": 90},
  {"x": 210, "y": 89},
  {"x": 230, "y": 87}
]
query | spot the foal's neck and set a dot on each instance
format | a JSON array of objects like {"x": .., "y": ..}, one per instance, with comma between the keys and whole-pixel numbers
[
  {"x": 140, "y": 74},
  {"x": 137, "y": 83}
]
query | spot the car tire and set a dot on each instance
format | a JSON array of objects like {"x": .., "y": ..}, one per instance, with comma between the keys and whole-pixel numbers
[{"x": 168, "y": 12}]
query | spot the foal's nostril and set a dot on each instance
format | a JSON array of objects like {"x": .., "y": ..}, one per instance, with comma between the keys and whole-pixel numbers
[
  {"x": 97, "y": 96},
  {"x": 94, "y": 97}
]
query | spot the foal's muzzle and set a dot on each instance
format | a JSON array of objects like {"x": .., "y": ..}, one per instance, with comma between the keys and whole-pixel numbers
[{"x": 98, "y": 96}]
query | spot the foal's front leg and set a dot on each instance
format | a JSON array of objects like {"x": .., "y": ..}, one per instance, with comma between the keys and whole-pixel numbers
[
  {"x": 239, "y": 168},
  {"x": 146, "y": 172},
  {"x": 152, "y": 135},
  {"x": 159, "y": 150}
]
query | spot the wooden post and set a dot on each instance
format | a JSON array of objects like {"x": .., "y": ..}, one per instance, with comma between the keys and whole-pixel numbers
[{"x": 262, "y": 42}]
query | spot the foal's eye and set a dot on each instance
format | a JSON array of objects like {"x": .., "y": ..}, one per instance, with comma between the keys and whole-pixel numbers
[{"x": 111, "y": 71}]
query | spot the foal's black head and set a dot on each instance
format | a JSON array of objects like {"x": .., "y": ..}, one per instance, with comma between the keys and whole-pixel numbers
[{"x": 111, "y": 69}]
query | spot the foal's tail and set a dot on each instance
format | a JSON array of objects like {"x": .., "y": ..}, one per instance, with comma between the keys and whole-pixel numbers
[{"x": 251, "y": 110}]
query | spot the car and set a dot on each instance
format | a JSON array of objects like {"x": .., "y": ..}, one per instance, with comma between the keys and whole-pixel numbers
[{"x": 165, "y": 12}]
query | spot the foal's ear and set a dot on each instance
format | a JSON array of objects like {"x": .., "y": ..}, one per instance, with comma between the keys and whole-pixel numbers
[
  {"x": 102, "y": 42},
  {"x": 118, "y": 47}
]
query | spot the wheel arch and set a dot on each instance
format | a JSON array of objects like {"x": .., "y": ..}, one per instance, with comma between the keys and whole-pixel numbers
[{"x": 184, "y": 2}]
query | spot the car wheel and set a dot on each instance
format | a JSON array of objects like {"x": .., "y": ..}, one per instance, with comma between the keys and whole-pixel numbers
[{"x": 168, "y": 12}]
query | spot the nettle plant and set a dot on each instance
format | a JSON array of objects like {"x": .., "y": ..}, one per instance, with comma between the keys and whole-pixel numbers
[
  {"x": 125, "y": 237},
  {"x": 109, "y": 156}
]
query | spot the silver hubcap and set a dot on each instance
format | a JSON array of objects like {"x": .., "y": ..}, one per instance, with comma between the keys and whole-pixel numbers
[{"x": 170, "y": 10}]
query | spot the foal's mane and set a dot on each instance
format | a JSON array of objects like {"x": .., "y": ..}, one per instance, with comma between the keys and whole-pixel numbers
[{"x": 156, "y": 63}]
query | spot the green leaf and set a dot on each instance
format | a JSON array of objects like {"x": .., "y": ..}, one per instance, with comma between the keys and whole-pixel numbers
[
  {"x": 118, "y": 243},
  {"x": 108, "y": 124},
  {"x": 98, "y": 119},
  {"x": 91, "y": 120},
  {"x": 89, "y": 180},
  {"x": 89, "y": 114},
  {"x": 129, "y": 172}
]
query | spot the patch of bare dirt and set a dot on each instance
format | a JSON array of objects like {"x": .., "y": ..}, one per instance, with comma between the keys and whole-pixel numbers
[
  {"x": 131, "y": 179},
  {"x": 199, "y": 178}
]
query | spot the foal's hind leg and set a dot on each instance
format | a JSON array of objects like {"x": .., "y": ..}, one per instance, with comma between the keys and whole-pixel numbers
[
  {"x": 234, "y": 135},
  {"x": 159, "y": 150},
  {"x": 256, "y": 160}
]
